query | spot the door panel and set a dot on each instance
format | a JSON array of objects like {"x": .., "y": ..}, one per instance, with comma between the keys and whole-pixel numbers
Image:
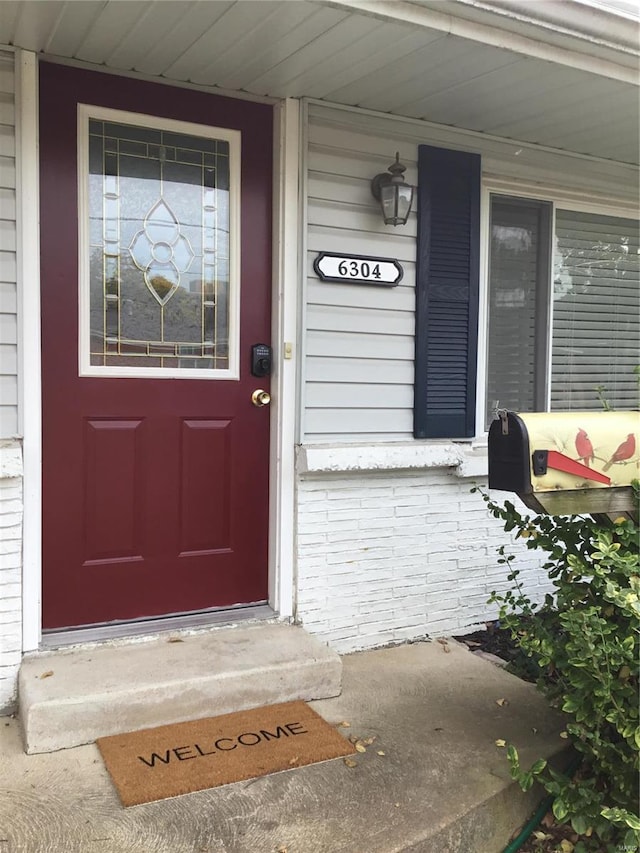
[
  {"x": 113, "y": 467},
  {"x": 205, "y": 486},
  {"x": 155, "y": 481}
]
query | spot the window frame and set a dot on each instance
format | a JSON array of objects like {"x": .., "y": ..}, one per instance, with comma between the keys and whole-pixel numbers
[{"x": 557, "y": 199}]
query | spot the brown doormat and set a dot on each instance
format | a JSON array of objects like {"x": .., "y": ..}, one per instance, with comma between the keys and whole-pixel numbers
[{"x": 167, "y": 761}]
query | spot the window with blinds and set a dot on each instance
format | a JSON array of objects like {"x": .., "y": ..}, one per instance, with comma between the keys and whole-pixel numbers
[
  {"x": 592, "y": 290},
  {"x": 596, "y": 312}
]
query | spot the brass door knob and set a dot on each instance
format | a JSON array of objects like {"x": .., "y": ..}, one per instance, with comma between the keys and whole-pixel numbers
[{"x": 260, "y": 398}]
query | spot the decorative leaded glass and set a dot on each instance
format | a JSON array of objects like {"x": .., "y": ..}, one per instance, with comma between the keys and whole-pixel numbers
[{"x": 159, "y": 248}]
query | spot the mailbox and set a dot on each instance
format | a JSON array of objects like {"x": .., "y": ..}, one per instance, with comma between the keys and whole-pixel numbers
[{"x": 567, "y": 462}]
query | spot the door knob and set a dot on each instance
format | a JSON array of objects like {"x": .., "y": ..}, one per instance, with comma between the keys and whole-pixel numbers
[{"x": 260, "y": 398}]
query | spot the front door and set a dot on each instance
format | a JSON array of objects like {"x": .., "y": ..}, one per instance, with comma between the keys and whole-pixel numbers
[{"x": 156, "y": 283}]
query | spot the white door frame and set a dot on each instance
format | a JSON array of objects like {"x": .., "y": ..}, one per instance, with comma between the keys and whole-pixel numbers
[
  {"x": 29, "y": 365},
  {"x": 286, "y": 274}
]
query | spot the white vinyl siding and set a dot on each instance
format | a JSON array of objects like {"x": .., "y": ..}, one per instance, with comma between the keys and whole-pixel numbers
[
  {"x": 359, "y": 340},
  {"x": 8, "y": 307},
  {"x": 10, "y": 452}
]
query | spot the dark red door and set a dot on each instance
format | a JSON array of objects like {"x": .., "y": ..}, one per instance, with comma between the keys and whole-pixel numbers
[{"x": 156, "y": 270}]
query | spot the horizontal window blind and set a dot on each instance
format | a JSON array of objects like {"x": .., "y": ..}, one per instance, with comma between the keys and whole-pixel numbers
[
  {"x": 596, "y": 312},
  {"x": 517, "y": 320}
]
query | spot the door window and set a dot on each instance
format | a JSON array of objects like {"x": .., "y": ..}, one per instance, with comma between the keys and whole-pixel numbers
[{"x": 159, "y": 284}]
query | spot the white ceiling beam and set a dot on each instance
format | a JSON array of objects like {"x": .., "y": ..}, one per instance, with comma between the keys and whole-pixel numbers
[
  {"x": 580, "y": 54},
  {"x": 615, "y": 27}
]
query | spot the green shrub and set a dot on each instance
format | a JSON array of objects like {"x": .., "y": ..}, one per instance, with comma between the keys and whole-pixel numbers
[{"x": 584, "y": 643}]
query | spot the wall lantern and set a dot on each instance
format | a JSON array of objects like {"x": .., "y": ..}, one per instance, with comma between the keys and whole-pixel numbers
[{"x": 395, "y": 196}]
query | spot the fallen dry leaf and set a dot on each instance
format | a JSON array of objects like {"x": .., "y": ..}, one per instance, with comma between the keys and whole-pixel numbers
[
  {"x": 501, "y": 742},
  {"x": 350, "y": 762},
  {"x": 446, "y": 649},
  {"x": 369, "y": 740},
  {"x": 541, "y": 836},
  {"x": 344, "y": 725},
  {"x": 502, "y": 702},
  {"x": 281, "y": 850},
  {"x": 564, "y": 735},
  {"x": 442, "y": 641},
  {"x": 566, "y": 846},
  {"x": 354, "y": 738},
  {"x": 381, "y": 752},
  {"x": 294, "y": 761},
  {"x": 47, "y": 674},
  {"x": 360, "y": 746},
  {"x": 175, "y": 640}
]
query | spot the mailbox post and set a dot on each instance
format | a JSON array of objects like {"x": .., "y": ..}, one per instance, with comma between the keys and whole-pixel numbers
[{"x": 563, "y": 463}]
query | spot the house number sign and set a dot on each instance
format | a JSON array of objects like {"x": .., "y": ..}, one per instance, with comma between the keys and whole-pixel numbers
[{"x": 358, "y": 269}]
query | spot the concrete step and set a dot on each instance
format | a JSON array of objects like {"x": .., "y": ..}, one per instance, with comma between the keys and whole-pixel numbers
[{"x": 73, "y": 696}]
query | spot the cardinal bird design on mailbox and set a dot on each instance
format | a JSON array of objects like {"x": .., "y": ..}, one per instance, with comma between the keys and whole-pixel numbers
[
  {"x": 566, "y": 461},
  {"x": 624, "y": 452},
  {"x": 584, "y": 448}
]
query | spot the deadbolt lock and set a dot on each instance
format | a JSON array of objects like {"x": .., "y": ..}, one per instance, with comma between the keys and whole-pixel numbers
[{"x": 260, "y": 398}]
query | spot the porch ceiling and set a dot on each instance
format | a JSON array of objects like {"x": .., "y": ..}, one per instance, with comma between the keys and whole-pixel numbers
[{"x": 480, "y": 66}]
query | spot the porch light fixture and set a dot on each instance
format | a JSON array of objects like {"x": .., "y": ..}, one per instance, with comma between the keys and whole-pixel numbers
[{"x": 394, "y": 194}]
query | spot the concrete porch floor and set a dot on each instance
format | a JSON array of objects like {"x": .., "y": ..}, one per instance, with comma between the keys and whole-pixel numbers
[{"x": 442, "y": 785}]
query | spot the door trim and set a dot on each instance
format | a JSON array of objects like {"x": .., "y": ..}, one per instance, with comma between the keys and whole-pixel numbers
[
  {"x": 286, "y": 274},
  {"x": 29, "y": 377}
]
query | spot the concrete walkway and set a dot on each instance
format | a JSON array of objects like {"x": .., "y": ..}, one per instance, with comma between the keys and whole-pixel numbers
[{"x": 442, "y": 785}]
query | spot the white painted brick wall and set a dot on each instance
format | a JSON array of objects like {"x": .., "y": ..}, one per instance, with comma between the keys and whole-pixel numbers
[
  {"x": 386, "y": 557},
  {"x": 10, "y": 571}
]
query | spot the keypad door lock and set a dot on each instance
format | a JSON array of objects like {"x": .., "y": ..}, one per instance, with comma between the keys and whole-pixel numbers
[{"x": 261, "y": 360}]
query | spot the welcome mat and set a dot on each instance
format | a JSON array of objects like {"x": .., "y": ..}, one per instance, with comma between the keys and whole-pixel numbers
[{"x": 167, "y": 761}]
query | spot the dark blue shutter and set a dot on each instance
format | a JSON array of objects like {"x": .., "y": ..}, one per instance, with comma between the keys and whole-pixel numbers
[{"x": 447, "y": 293}]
